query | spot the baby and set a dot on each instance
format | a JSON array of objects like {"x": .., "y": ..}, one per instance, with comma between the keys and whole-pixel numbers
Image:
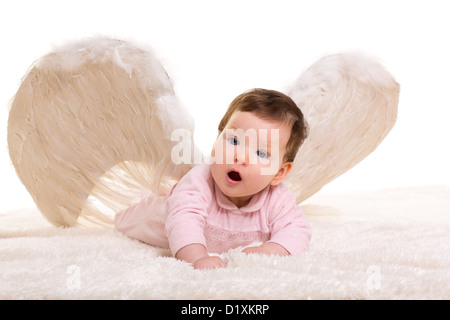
[{"x": 238, "y": 198}]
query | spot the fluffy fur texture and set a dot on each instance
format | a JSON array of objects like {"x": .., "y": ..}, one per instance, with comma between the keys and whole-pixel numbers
[
  {"x": 93, "y": 121},
  {"x": 390, "y": 244}
]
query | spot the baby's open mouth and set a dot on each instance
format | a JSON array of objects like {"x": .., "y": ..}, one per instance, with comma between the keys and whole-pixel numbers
[{"x": 234, "y": 175}]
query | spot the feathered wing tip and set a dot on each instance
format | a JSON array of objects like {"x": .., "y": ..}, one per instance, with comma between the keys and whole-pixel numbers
[
  {"x": 93, "y": 121},
  {"x": 350, "y": 103}
]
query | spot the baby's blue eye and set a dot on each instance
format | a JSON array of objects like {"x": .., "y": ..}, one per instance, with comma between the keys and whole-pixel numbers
[
  {"x": 233, "y": 140},
  {"x": 262, "y": 154}
]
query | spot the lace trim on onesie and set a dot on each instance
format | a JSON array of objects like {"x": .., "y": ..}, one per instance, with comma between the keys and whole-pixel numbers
[{"x": 219, "y": 240}]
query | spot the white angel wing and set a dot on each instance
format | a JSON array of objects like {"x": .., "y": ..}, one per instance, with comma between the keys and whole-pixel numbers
[
  {"x": 94, "y": 119},
  {"x": 350, "y": 103}
]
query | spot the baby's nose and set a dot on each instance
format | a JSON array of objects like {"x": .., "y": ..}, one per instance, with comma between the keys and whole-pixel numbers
[{"x": 241, "y": 156}]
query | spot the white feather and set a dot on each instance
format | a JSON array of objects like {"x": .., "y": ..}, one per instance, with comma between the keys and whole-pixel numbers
[
  {"x": 350, "y": 103},
  {"x": 93, "y": 119}
]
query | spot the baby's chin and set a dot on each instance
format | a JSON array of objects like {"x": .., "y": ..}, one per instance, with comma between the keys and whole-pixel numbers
[
  {"x": 234, "y": 184},
  {"x": 234, "y": 193},
  {"x": 242, "y": 190}
]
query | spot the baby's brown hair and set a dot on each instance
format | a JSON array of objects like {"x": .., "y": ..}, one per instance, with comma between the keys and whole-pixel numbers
[{"x": 275, "y": 106}]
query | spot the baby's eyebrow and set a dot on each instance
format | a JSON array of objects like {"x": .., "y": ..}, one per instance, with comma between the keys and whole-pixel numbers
[{"x": 230, "y": 130}]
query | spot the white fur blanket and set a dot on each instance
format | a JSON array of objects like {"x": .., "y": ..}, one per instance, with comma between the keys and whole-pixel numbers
[{"x": 391, "y": 244}]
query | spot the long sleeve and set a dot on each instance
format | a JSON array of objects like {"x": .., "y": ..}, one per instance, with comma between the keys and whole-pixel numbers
[
  {"x": 188, "y": 209},
  {"x": 288, "y": 224}
]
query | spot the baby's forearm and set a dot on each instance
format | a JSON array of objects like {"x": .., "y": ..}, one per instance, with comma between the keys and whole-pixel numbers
[
  {"x": 275, "y": 248},
  {"x": 197, "y": 255},
  {"x": 268, "y": 248},
  {"x": 192, "y": 253}
]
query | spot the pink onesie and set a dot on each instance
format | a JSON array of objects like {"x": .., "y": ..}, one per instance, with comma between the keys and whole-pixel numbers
[{"x": 196, "y": 211}]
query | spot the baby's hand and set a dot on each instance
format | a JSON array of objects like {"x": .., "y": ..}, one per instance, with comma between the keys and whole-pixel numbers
[
  {"x": 267, "y": 248},
  {"x": 196, "y": 254},
  {"x": 209, "y": 263}
]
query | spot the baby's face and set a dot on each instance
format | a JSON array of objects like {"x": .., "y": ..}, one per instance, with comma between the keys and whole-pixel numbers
[{"x": 248, "y": 156}]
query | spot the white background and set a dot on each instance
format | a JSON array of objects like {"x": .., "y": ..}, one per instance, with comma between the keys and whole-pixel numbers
[{"x": 214, "y": 50}]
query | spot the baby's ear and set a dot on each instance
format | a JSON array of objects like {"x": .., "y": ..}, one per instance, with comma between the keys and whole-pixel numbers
[{"x": 282, "y": 173}]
